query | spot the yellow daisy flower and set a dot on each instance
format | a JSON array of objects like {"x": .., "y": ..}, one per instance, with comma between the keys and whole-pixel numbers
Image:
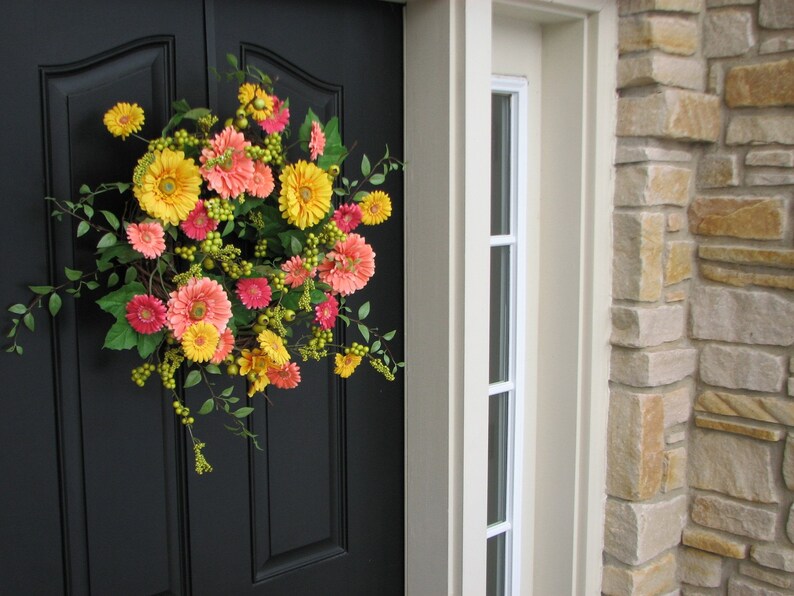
[
  {"x": 123, "y": 119},
  {"x": 305, "y": 194},
  {"x": 169, "y": 188},
  {"x": 253, "y": 365},
  {"x": 273, "y": 347},
  {"x": 346, "y": 364},
  {"x": 375, "y": 208},
  {"x": 199, "y": 341},
  {"x": 257, "y": 103}
]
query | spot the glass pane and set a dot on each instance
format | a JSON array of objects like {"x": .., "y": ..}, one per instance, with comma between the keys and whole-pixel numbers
[
  {"x": 500, "y": 164},
  {"x": 497, "y": 457},
  {"x": 496, "y": 566},
  {"x": 500, "y": 314}
]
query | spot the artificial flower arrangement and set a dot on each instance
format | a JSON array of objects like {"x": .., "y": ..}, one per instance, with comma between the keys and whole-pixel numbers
[{"x": 228, "y": 255}]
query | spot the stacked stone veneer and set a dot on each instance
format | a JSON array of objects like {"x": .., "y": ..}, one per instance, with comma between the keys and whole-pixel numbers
[{"x": 700, "y": 476}]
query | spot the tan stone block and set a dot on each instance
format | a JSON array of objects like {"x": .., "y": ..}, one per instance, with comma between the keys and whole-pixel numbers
[
  {"x": 674, "y": 435},
  {"x": 760, "y": 129},
  {"x": 737, "y": 367},
  {"x": 677, "y": 405},
  {"x": 770, "y": 157},
  {"x": 644, "y": 368},
  {"x": 637, "y": 257},
  {"x": 718, "y": 171},
  {"x": 791, "y": 386},
  {"x": 723, "y": 3},
  {"x": 634, "y": 6},
  {"x": 790, "y": 525},
  {"x": 675, "y": 295},
  {"x": 741, "y": 255},
  {"x": 635, "y": 533},
  {"x": 776, "y": 14},
  {"x": 642, "y": 327},
  {"x": 714, "y": 542},
  {"x": 660, "y": 69},
  {"x": 768, "y": 178},
  {"x": 761, "y": 85},
  {"x": 716, "y": 78},
  {"x": 741, "y": 279},
  {"x": 727, "y": 32},
  {"x": 773, "y": 556},
  {"x": 754, "y": 407},
  {"x": 676, "y": 221},
  {"x": 754, "y": 218},
  {"x": 700, "y": 568},
  {"x": 671, "y": 114},
  {"x": 671, "y": 34},
  {"x": 631, "y": 150},
  {"x": 776, "y": 44},
  {"x": 741, "y": 586},
  {"x": 736, "y": 517},
  {"x": 674, "y": 474},
  {"x": 747, "y": 429},
  {"x": 788, "y": 464},
  {"x": 781, "y": 580},
  {"x": 678, "y": 264},
  {"x": 656, "y": 577},
  {"x": 653, "y": 184}
]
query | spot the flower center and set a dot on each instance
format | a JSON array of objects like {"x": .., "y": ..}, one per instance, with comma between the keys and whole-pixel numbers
[
  {"x": 198, "y": 310},
  {"x": 146, "y": 237},
  {"x": 200, "y": 340},
  {"x": 200, "y": 221},
  {"x": 305, "y": 193},
  {"x": 168, "y": 186},
  {"x": 124, "y": 119},
  {"x": 145, "y": 314},
  {"x": 374, "y": 209}
]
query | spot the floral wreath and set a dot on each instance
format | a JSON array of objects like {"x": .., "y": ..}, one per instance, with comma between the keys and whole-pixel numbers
[{"x": 228, "y": 254}]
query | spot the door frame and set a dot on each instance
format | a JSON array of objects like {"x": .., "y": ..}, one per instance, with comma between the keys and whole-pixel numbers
[{"x": 447, "y": 182}]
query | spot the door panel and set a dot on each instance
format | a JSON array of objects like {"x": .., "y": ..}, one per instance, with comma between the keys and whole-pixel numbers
[{"x": 100, "y": 493}]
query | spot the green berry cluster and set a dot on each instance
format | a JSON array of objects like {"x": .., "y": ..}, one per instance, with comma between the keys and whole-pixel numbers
[
  {"x": 331, "y": 234},
  {"x": 357, "y": 349},
  {"x": 321, "y": 337},
  {"x": 219, "y": 209},
  {"x": 237, "y": 270},
  {"x": 171, "y": 361},
  {"x": 305, "y": 301},
  {"x": 205, "y": 123},
  {"x": 186, "y": 252},
  {"x": 256, "y": 219},
  {"x": 140, "y": 374},
  {"x": 276, "y": 280},
  {"x": 379, "y": 366},
  {"x": 180, "y": 279},
  {"x": 184, "y": 412},
  {"x": 313, "y": 353},
  {"x": 162, "y": 143},
  {"x": 273, "y": 151},
  {"x": 202, "y": 465},
  {"x": 183, "y": 139},
  {"x": 212, "y": 242},
  {"x": 311, "y": 254},
  {"x": 260, "y": 250}
]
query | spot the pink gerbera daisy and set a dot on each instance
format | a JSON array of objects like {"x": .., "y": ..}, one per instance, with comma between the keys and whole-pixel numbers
[
  {"x": 317, "y": 141},
  {"x": 254, "y": 292},
  {"x": 198, "y": 300},
  {"x": 325, "y": 312},
  {"x": 296, "y": 272},
  {"x": 226, "y": 167},
  {"x": 347, "y": 217},
  {"x": 278, "y": 120},
  {"x": 146, "y": 314},
  {"x": 147, "y": 238},
  {"x": 225, "y": 346},
  {"x": 348, "y": 266},
  {"x": 261, "y": 183},
  {"x": 198, "y": 223},
  {"x": 286, "y": 376}
]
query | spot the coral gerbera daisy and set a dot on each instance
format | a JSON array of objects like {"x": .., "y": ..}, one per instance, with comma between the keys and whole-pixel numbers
[
  {"x": 296, "y": 271},
  {"x": 375, "y": 208},
  {"x": 200, "y": 341},
  {"x": 278, "y": 120},
  {"x": 345, "y": 364},
  {"x": 147, "y": 238},
  {"x": 198, "y": 223},
  {"x": 225, "y": 346},
  {"x": 124, "y": 119},
  {"x": 316, "y": 141},
  {"x": 273, "y": 346},
  {"x": 286, "y": 376},
  {"x": 146, "y": 314},
  {"x": 348, "y": 266},
  {"x": 261, "y": 183},
  {"x": 254, "y": 292},
  {"x": 226, "y": 167},
  {"x": 255, "y": 100},
  {"x": 198, "y": 300},
  {"x": 305, "y": 194},
  {"x": 325, "y": 312},
  {"x": 347, "y": 217},
  {"x": 169, "y": 187}
]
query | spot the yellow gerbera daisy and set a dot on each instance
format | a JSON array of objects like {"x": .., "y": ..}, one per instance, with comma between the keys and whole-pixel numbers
[
  {"x": 169, "y": 188},
  {"x": 253, "y": 365},
  {"x": 375, "y": 208},
  {"x": 346, "y": 364},
  {"x": 273, "y": 347},
  {"x": 199, "y": 341},
  {"x": 257, "y": 103},
  {"x": 305, "y": 194},
  {"x": 123, "y": 119}
]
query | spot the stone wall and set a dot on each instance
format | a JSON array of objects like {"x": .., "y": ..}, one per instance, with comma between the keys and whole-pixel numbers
[{"x": 700, "y": 476}]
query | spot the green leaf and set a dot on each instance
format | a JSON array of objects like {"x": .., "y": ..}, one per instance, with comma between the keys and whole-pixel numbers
[
  {"x": 130, "y": 275},
  {"x": 55, "y": 304},
  {"x": 72, "y": 274},
  {"x": 18, "y": 309},
  {"x": 112, "y": 220},
  {"x": 364, "y": 332},
  {"x": 233, "y": 400},
  {"x": 232, "y": 60},
  {"x": 377, "y": 179},
  {"x": 148, "y": 343},
  {"x": 363, "y": 310},
  {"x": 29, "y": 321},
  {"x": 366, "y": 168},
  {"x": 196, "y": 113},
  {"x": 122, "y": 253},
  {"x": 115, "y": 303},
  {"x": 82, "y": 228},
  {"x": 227, "y": 392},
  {"x": 42, "y": 290},
  {"x": 243, "y": 412},
  {"x": 85, "y": 189},
  {"x": 340, "y": 192},
  {"x": 229, "y": 228},
  {"x": 180, "y": 106},
  {"x": 390, "y": 335},
  {"x": 375, "y": 346},
  {"x": 107, "y": 240},
  {"x": 207, "y": 407},
  {"x": 193, "y": 378},
  {"x": 121, "y": 336},
  {"x": 120, "y": 186},
  {"x": 359, "y": 196},
  {"x": 19, "y": 350},
  {"x": 88, "y": 210},
  {"x": 171, "y": 231},
  {"x": 345, "y": 319},
  {"x": 113, "y": 279},
  {"x": 212, "y": 369},
  {"x": 91, "y": 285}
]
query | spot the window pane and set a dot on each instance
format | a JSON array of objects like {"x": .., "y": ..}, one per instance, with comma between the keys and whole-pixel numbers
[
  {"x": 498, "y": 422},
  {"x": 496, "y": 566},
  {"x": 500, "y": 314},
  {"x": 500, "y": 164}
]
